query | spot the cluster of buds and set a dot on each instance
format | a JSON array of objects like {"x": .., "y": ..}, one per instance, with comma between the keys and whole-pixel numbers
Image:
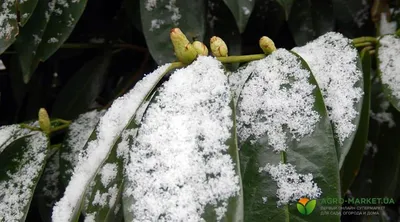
[{"x": 187, "y": 52}]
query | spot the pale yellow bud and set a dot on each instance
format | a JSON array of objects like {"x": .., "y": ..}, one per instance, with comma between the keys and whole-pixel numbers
[
  {"x": 267, "y": 45},
  {"x": 44, "y": 120},
  {"x": 184, "y": 51},
  {"x": 200, "y": 48},
  {"x": 218, "y": 47}
]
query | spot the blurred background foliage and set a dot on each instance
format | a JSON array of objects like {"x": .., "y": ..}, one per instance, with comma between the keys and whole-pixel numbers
[{"x": 114, "y": 43}]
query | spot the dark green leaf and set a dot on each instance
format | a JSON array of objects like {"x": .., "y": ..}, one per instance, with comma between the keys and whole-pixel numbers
[
  {"x": 26, "y": 9},
  {"x": 8, "y": 25},
  {"x": 160, "y": 18},
  {"x": 241, "y": 10},
  {"x": 83, "y": 88},
  {"x": 314, "y": 153},
  {"x": 311, "y": 18},
  {"x": 287, "y": 6},
  {"x": 352, "y": 161},
  {"x": 21, "y": 164}
]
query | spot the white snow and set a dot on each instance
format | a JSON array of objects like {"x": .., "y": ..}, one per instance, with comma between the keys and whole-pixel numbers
[
  {"x": 108, "y": 198},
  {"x": 386, "y": 27},
  {"x": 246, "y": 11},
  {"x": 17, "y": 190},
  {"x": 52, "y": 40},
  {"x": 389, "y": 64},
  {"x": 333, "y": 61},
  {"x": 108, "y": 131},
  {"x": 7, "y": 17},
  {"x": 178, "y": 163},
  {"x": 277, "y": 98},
  {"x": 237, "y": 80},
  {"x": 108, "y": 173},
  {"x": 50, "y": 176},
  {"x": 156, "y": 24},
  {"x": 291, "y": 185}
]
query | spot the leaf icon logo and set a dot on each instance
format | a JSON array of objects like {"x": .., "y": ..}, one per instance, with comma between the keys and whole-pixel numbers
[{"x": 306, "y": 206}]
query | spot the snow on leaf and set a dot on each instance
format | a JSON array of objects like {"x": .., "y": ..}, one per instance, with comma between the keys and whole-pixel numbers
[
  {"x": 386, "y": 27},
  {"x": 277, "y": 96},
  {"x": 333, "y": 61},
  {"x": 179, "y": 162},
  {"x": 107, "y": 132},
  {"x": 291, "y": 185}
]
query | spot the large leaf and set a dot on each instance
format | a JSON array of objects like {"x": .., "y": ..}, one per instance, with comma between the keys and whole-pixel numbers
[
  {"x": 100, "y": 144},
  {"x": 26, "y": 9},
  {"x": 352, "y": 162},
  {"x": 241, "y": 10},
  {"x": 311, "y": 154},
  {"x": 311, "y": 18},
  {"x": 49, "y": 27},
  {"x": 8, "y": 24},
  {"x": 185, "y": 155},
  {"x": 83, "y": 88},
  {"x": 159, "y": 17},
  {"x": 388, "y": 58},
  {"x": 287, "y": 6},
  {"x": 72, "y": 149},
  {"x": 21, "y": 164}
]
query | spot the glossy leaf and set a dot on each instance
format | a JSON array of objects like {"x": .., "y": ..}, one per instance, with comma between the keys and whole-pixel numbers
[
  {"x": 83, "y": 88},
  {"x": 241, "y": 10},
  {"x": 287, "y": 6},
  {"x": 8, "y": 25},
  {"x": 26, "y": 8},
  {"x": 21, "y": 164},
  {"x": 310, "y": 206},
  {"x": 352, "y": 162},
  {"x": 158, "y": 19},
  {"x": 310, "y": 154},
  {"x": 311, "y": 18}
]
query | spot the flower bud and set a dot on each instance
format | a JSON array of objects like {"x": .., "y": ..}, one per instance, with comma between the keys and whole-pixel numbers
[
  {"x": 218, "y": 47},
  {"x": 184, "y": 51},
  {"x": 267, "y": 45},
  {"x": 200, "y": 48},
  {"x": 44, "y": 120}
]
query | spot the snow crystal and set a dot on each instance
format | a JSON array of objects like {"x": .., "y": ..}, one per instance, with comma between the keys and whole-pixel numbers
[
  {"x": 278, "y": 96},
  {"x": 79, "y": 132},
  {"x": 50, "y": 176},
  {"x": 265, "y": 200},
  {"x": 246, "y": 11},
  {"x": 151, "y": 4},
  {"x": 389, "y": 63},
  {"x": 52, "y": 40},
  {"x": 106, "y": 198},
  {"x": 108, "y": 131},
  {"x": 333, "y": 61},
  {"x": 291, "y": 185},
  {"x": 386, "y": 27},
  {"x": 178, "y": 163},
  {"x": 17, "y": 190},
  {"x": 108, "y": 173},
  {"x": 156, "y": 24},
  {"x": 175, "y": 12},
  {"x": 10, "y": 133},
  {"x": 90, "y": 217},
  {"x": 7, "y": 17}
]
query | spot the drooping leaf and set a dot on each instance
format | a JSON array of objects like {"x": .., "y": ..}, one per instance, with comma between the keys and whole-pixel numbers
[
  {"x": 100, "y": 144},
  {"x": 72, "y": 149},
  {"x": 159, "y": 17},
  {"x": 341, "y": 84},
  {"x": 26, "y": 9},
  {"x": 22, "y": 160},
  {"x": 49, "y": 27},
  {"x": 8, "y": 24},
  {"x": 191, "y": 159},
  {"x": 311, "y": 18},
  {"x": 274, "y": 128},
  {"x": 388, "y": 59},
  {"x": 83, "y": 88},
  {"x": 352, "y": 161},
  {"x": 241, "y": 10},
  {"x": 287, "y": 6}
]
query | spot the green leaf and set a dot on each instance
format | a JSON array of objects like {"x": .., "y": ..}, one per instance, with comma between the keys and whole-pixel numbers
[
  {"x": 312, "y": 154},
  {"x": 311, "y": 18},
  {"x": 83, "y": 88},
  {"x": 241, "y": 10},
  {"x": 158, "y": 19},
  {"x": 310, "y": 206},
  {"x": 385, "y": 67},
  {"x": 21, "y": 164},
  {"x": 301, "y": 208},
  {"x": 26, "y": 9},
  {"x": 287, "y": 6},
  {"x": 9, "y": 24},
  {"x": 47, "y": 29},
  {"x": 74, "y": 143},
  {"x": 352, "y": 161}
]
